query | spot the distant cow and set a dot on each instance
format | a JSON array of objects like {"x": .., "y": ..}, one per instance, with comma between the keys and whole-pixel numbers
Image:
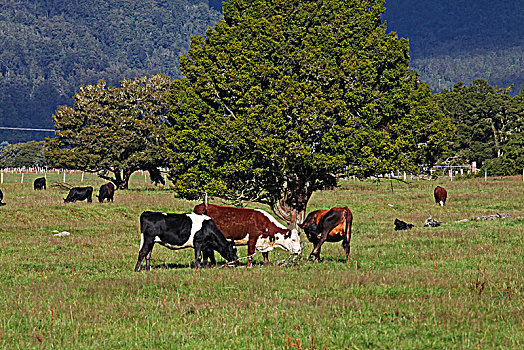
[
  {"x": 254, "y": 227},
  {"x": 107, "y": 191},
  {"x": 40, "y": 183},
  {"x": 178, "y": 231},
  {"x": 79, "y": 194},
  {"x": 333, "y": 225},
  {"x": 401, "y": 225},
  {"x": 1, "y": 198},
  {"x": 440, "y": 195}
]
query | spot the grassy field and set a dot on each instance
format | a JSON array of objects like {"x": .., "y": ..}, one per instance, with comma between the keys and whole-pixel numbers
[{"x": 455, "y": 286}]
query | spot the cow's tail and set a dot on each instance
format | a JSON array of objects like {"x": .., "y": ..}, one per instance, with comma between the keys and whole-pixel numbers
[
  {"x": 206, "y": 203},
  {"x": 347, "y": 232}
]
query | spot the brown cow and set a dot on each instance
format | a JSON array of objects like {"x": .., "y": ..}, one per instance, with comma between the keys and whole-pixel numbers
[
  {"x": 333, "y": 225},
  {"x": 440, "y": 194},
  {"x": 254, "y": 227}
]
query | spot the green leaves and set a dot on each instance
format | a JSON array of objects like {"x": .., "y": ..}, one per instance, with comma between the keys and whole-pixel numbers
[
  {"x": 283, "y": 96},
  {"x": 118, "y": 130}
]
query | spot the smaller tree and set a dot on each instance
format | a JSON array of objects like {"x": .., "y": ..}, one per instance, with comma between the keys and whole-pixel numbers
[
  {"x": 113, "y": 131},
  {"x": 26, "y": 154}
]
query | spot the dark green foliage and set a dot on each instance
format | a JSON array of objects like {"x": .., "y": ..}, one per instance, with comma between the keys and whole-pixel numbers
[
  {"x": 19, "y": 155},
  {"x": 113, "y": 130},
  {"x": 49, "y": 48},
  {"x": 489, "y": 125},
  {"x": 284, "y": 96}
]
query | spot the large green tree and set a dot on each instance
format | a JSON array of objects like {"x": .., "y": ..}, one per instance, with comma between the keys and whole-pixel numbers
[
  {"x": 113, "y": 131},
  {"x": 283, "y": 96}
]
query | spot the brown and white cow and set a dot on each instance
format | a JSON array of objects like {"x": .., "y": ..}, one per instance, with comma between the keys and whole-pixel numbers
[
  {"x": 333, "y": 225},
  {"x": 254, "y": 227},
  {"x": 440, "y": 194}
]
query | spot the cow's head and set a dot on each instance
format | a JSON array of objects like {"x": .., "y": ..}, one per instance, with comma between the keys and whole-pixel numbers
[
  {"x": 231, "y": 251},
  {"x": 289, "y": 241}
]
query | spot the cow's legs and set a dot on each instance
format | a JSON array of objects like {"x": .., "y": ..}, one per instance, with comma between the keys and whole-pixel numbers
[
  {"x": 345, "y": 245},
  {"x": 251, "y": 248},
  {"x": 198, "y": 256},
  {"x": 208, "y": 254},
  {"x": 318, "y": 246},
  {"x": 315, "y": 254},
  {"x": 148, "y": 260},
  {"x": 266, "y": 257},
  {"x": 145, "y": 252}
]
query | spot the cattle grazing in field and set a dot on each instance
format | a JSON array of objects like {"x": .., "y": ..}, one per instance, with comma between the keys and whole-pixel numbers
[
  {"x": 1, "y": 198},
  {"x": 40, "y": 184},
  {"x": 79, "y": 194},
  {"x": 178, "y": 231},
  {"x": 254, "y": 227},
  {"x": 440, "y": 194},
  {"x": 401, "y": 225},
  {"x": 106, "y": 191},
  {"x": 333, "y": 225}
]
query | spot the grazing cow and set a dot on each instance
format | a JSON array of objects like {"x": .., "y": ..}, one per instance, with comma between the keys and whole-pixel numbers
[
  {"x": 40, "y": 183},
  {"x": 79, "y": 194},
  {"x": 178, "y": 231},
  {"x": 333, "y": 225},
  {"x": 107, "y": 191},
  {"x": 401, "y": 225},
  {"x": 254, "y": 227},
  {"x": 440, "y": 194},
  {"x": 1, "y": 197}
]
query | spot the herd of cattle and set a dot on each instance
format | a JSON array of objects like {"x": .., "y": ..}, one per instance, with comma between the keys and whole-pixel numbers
[{"x": 211, "y": 228}]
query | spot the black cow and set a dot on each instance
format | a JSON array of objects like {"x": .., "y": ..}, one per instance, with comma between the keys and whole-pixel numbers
[
  {"x": 79, "y": 194},
  {"x": 40, "y": 184},
  {"x": 107, "y": 191},
  {"x": 1, "y": 197},
  {"x": 401, "y": 225},
  {"x": 178, "y": 231}
]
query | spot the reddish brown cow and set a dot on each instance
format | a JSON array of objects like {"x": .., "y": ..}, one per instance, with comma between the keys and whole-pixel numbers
[
  {"x": 333, "y": 225},
  {"x": 254, "y": 227},
  {"x": 440, "y": 194}
]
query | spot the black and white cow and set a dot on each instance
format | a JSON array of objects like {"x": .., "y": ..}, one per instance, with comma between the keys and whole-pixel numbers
[
  {"x": 178, "y": 231},
  {"x": 40, "y": 183},
  {"x": 107, "y": 191},
  {"x": 79, "y": 194},
  {"x": 1, "y": 197}
]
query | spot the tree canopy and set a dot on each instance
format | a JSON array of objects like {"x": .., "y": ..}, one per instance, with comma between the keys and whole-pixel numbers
[
  {"x": 489, "y": 125},
  {"x": 113, "y": 131},
  {"x": 282, "y": 97}
]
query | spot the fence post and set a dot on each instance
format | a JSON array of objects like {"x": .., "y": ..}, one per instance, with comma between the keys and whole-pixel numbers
[
  {"x": 22, "y": 179},
  {"x": 2, "y": 176},
  {"x": 485, "y": 175},
  {"x": 64, "y": 176},
  {"x": 82, "y": 180}
]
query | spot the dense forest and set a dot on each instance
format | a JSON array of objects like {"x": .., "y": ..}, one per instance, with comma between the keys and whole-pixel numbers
[
  {"x": 48, "y": 48},
  {"x": 462, "y": 40}
]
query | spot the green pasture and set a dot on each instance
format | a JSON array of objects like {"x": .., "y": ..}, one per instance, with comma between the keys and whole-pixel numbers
[{"x": 455, "y": 286}]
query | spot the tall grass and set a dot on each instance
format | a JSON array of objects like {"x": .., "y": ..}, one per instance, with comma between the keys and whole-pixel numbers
[{"x": 455, "y": 286}]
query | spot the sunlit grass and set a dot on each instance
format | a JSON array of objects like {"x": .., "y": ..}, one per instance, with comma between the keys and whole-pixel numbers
[{"x": 455, "y": 286}]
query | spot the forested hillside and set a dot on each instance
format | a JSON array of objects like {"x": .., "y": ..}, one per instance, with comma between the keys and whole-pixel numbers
[
  {"x": 462, "y": 40},
  {"x": 50, "y": 47}
]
